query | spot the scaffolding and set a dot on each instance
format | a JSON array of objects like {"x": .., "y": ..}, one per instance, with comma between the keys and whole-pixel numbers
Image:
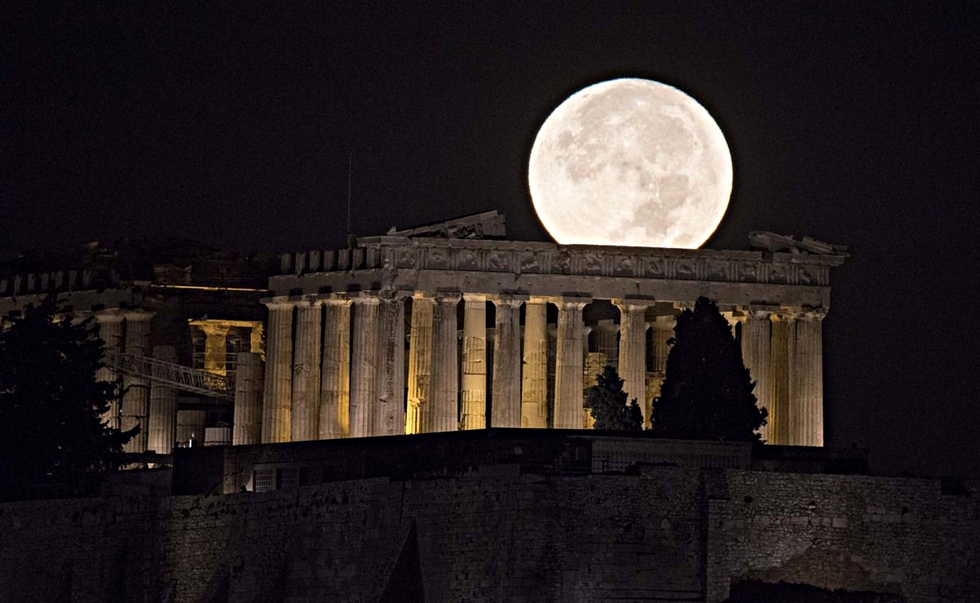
[{"x": 176, "y": 376}]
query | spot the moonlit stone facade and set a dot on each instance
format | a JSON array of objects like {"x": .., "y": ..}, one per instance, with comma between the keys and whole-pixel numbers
[{"x": 451, "y": 333}]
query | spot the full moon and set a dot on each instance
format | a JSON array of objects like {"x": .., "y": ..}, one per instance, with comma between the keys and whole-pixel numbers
[{"x": 630, "y": 162}]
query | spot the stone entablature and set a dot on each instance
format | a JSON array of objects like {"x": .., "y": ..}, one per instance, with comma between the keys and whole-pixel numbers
[
  {"x": 733, "y": 279},
  {"x": 532, "y": 258}
]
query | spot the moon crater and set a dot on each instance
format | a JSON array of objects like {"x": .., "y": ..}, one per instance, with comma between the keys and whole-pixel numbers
[{"x": 630, "y": 162}]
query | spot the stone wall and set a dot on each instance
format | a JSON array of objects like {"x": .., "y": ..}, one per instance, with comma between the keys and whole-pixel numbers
[
  {"x": 904, "y": 536},
  {"x": 496, "y": 535}
]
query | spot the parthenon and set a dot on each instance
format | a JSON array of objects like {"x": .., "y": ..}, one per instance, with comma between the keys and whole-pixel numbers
[{"x": 452, "y": 327}]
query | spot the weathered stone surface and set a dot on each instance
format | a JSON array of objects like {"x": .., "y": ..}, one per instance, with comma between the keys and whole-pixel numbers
[
  {"x": 419, "y": 363},
  {"x": 278, "y": 385},
  {"x": 135, "y": 411},
  {"x": 534, "y": 391},
  {"x": 305, "y": 404},
  {"x": 335, "y": 370},
  {"x": 494, "y": 534},
  {"x": 249, "y": 383},
  {"x": 473, "y": 386},
  {"x": 443, "y": 414},
  {"x": 364, "y": 365},
  {"x": 163, "y": 408}
]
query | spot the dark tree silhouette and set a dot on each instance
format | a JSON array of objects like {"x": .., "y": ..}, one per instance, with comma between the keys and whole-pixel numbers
[
  {"x": 52, "y": 438},
  {"x": 607, "y": 402},
  {"x": 707, "y": 392}
]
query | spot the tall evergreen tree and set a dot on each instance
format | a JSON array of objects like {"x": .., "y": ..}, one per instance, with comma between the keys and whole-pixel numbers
[
  {"x": 607, "y": 402},
  {"x": 707, "y": 391},
  {"x": 52, "y": 437}
]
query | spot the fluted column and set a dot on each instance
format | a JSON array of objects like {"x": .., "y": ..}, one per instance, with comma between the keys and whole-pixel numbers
[
  {"x": 278, "y": 386},
  {"x": 136, "y": 401},
  {"x": 781, "y": 354},
  {"x": 756, "y": 353},
  {"x": 507, "y": 362},
  {"x": 305, "y": 405},
  {"x": 442, "y": 414},
  {"x": 364, "y": 364},
  {"x": 389, "y": 418},
  {"x": 534, "y": 388},
  {"x": 633, "y": 352},
  {"x": 663, "y": 330},
  {"x": 568, "y": 364},
  {"x": 163, "y": 408},
  {"x": 474, "y": 378},
  {"x": 806, "y": 404},
  {"x": 335, "y": 372},
  {"x": 249, "y": 378},
  {"x": 419, "y": 362},
  {"x": 215, "y": 348},
  {"x": 111, "y": 333}
]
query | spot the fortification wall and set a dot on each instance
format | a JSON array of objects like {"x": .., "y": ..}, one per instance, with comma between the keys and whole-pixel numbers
[
  {"x": 896, "y": 535},
  {"x": 496, "y": 535}
]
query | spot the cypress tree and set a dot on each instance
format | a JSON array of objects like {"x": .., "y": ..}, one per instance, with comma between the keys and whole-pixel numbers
[
  {"x": 607, "y": 403},
  {"x": 53, "y": 441},
  {"x": 707, "y": 391}
]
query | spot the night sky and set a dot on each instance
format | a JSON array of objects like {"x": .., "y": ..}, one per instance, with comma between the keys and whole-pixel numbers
[{"x": 857, "y": 123}]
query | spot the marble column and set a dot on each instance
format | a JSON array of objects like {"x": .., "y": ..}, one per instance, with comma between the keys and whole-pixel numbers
[
  {"x": 255, "y": 340},
  {"x": 136, "y": 401},
  {"x": 443, "y": 414},
  {"x": 163, "y": 408},
  {"x": 364, "y": 364},
  {"x": 633, "y": 352},
  {"x": 305, "y": 400},
  {"x": 663, "y": 329},
  {"x": 604, "y": 336},
  {"x": 111, "y": 333},
  {"x": 335, "y": 372},
  {"x": 215, "y": 348},
  {"x": 419, "y": 362},
  {"x": 568, "y": 364},
  {"x": 806, "y": 404},
  {"x": 389, "y": 417},
  {"x": 507, "y": 362},
  {"x": 781, "y": 354},
  {"x": 249, "y": 377},
  {"x": 278, "y": 383},
  {"x": 756, "y": 352},
  {"x": 474, "y": 377},
  {"x": 534, "y": 388}
]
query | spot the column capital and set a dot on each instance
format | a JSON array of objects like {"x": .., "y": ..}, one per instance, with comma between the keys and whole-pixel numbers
[
  {"x": 368, "y": 298},
  {"x": 812, "y": 314},
  {"x": 447, "y": 297},
  {"x": 308, "y": 301},
  {"x": 760, "y": 312},
  {"x": 572, "y": 302},
  {"x": 336, "y": 301},
  {"x": 631, "y": 304},
  {"x": 785, "y": 314},
  {"x": 510, "y": 299},
  {"x": 279, "y": 304},
  {"x": 110, "y": 315},
  {"x": 212, "y": 330},
  {"x": 475, "y": 298},
  {"x": 138, "y": 315}
]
